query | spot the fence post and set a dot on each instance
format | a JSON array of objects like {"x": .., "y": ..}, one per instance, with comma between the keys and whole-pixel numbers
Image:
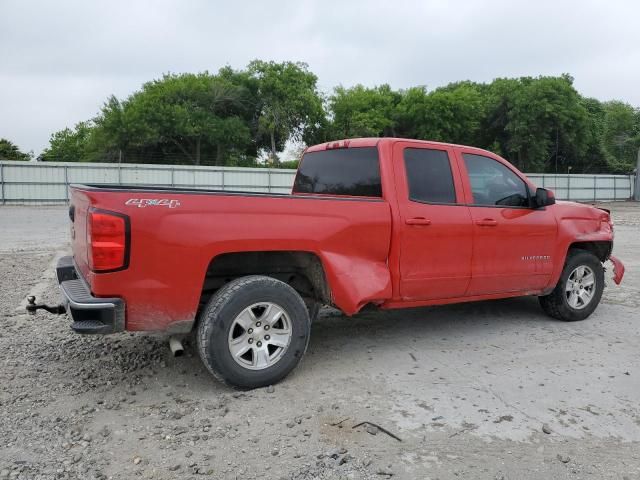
[
  {"x": 119, "y": 174},
  {"x": 222, "y": 170},
  {"x": 66, "y": 183},
  {"x": 173, "y": 183},
  {"x": 636, "y": 190},
  {"x": 269, "y": 180},
  {"x": 595, "y": 188},
  {"x": 2, "y": 182},
  {"x": 615, "y": 188},
  {"x": 568, "y": 186}
]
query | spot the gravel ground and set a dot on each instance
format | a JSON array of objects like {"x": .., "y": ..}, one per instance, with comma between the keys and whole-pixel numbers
[{"x": 487, "y": 390}]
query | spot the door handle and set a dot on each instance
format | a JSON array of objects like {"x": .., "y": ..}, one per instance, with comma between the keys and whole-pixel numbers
[
  {"x": 417, "y": 221},
  {"x": 487, "y": 222}
]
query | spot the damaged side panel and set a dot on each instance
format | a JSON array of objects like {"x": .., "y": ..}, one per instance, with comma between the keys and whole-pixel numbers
[
  {"x": 580, "y": 226},
  {"x": 357, "y": 281}
]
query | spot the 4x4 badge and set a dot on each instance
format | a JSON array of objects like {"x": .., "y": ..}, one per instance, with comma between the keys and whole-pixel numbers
[{"x": 153, "y": 202}]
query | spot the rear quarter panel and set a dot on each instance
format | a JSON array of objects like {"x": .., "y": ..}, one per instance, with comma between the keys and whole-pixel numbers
[{"x": 171, "y": 248}]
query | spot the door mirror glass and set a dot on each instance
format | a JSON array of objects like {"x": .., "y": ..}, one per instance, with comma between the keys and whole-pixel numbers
[{"x": 544, "y": 197}]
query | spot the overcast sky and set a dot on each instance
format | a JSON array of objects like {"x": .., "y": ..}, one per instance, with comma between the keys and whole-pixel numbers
[{"x": 60, "y": 60}]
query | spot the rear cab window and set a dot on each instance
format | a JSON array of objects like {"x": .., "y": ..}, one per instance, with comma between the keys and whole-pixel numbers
[{"x": 351, "y": 172}]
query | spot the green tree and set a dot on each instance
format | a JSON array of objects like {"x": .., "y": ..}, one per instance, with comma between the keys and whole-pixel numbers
[
  {"x": 10, "y": 151},
  {"x": 189, "y": 110},
  {"x": 621, "y": 135},
  {"x": 69, "y": 145},
  {"x": 117, "y": 131},
  {"x": 289, "y": 103},
  {"x": 540, "y": 124},
  {"x": 181, "y": 115},
  {"x": 595, "y": 158},
  {"x": 363, "y": 112},
  {"x": 448, "y": 114},
  {"x": 535, "y": 121}
]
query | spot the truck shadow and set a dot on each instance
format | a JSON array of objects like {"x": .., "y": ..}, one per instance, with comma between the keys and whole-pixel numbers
[
  {"x": 457, "y": 318},
  {"x": 335, "y": 340},
  {"x": 466, "y": 324}
]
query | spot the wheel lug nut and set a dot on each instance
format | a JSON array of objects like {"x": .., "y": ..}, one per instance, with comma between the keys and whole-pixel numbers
[
  {"x": 259, "y": 344},
  {"x": 258, "y": 324},
  {"x": 267, "y": 337},
  {"x": 266, "y": 327},
  {"x": 250, "y": 330},
  {"x": 251, "y": 341}
]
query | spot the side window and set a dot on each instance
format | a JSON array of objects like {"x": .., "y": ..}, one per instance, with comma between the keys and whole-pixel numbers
[
  {"x": 494, "y": 184},
  {"x": 429, "y": 176}
]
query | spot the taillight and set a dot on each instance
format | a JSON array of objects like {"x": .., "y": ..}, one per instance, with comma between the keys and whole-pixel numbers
[{"x": 107, "y": 241}]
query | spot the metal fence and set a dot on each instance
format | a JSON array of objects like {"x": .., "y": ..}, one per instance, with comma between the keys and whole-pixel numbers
[
  {"x": 47, "y": 182},
  {"x": 585, "y": 187},
  {"x": 33, "y": 182}
]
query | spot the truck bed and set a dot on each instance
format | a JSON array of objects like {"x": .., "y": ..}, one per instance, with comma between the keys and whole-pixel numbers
[{"x": 176, "y": 233}]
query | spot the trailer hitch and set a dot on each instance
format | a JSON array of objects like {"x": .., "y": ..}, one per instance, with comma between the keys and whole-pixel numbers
[{"x": 32, "y": 307}]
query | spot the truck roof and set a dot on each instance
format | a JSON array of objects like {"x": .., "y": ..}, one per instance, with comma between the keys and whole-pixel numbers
[{"x": 375, "y": 141}]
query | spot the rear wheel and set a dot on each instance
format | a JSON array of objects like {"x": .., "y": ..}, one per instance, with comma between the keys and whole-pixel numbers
[
  {"x": 253, "y": 332},
  {"x": 579, "y": 289}
]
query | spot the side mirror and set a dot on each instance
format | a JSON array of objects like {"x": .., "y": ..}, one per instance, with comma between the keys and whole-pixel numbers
[{"x": 544, "y": 197}]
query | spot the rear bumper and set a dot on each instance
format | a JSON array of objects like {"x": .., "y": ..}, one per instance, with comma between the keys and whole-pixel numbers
[{"x": 90, "y": 315}]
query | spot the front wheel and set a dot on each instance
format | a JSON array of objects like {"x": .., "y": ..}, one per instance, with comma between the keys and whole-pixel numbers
[
  {"x": 579, "y": 289},
  {"x": 253, "y": 332}
]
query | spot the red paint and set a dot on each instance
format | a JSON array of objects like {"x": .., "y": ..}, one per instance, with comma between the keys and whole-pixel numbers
[
  {"x": 393, "y": 252},
  {"x": 618, "y": 269}
]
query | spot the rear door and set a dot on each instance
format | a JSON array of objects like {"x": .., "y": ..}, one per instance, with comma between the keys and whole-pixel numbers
[
  {"x": 513, "y": 242},
  {"x": 435, "y": 224}
]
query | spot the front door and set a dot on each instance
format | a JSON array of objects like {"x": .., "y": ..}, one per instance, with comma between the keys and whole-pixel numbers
[
  {"x": 513, "y": 242},
  {"x": 435, "y": 226}
]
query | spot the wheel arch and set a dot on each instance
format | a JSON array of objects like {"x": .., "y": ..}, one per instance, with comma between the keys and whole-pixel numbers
[
  {"x": 303, "y": 271},
  {"x": 348, "y": 282},
  {"x": 600, "y": 248}
]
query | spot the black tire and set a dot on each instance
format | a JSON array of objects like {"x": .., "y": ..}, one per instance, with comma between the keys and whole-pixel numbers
[
  {"x": 556, "y": 303},
  {"x": 219, "y": 315}
]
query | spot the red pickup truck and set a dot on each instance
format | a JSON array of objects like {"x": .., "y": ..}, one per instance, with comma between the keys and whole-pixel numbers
[{"x": 387, "y": 222}]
